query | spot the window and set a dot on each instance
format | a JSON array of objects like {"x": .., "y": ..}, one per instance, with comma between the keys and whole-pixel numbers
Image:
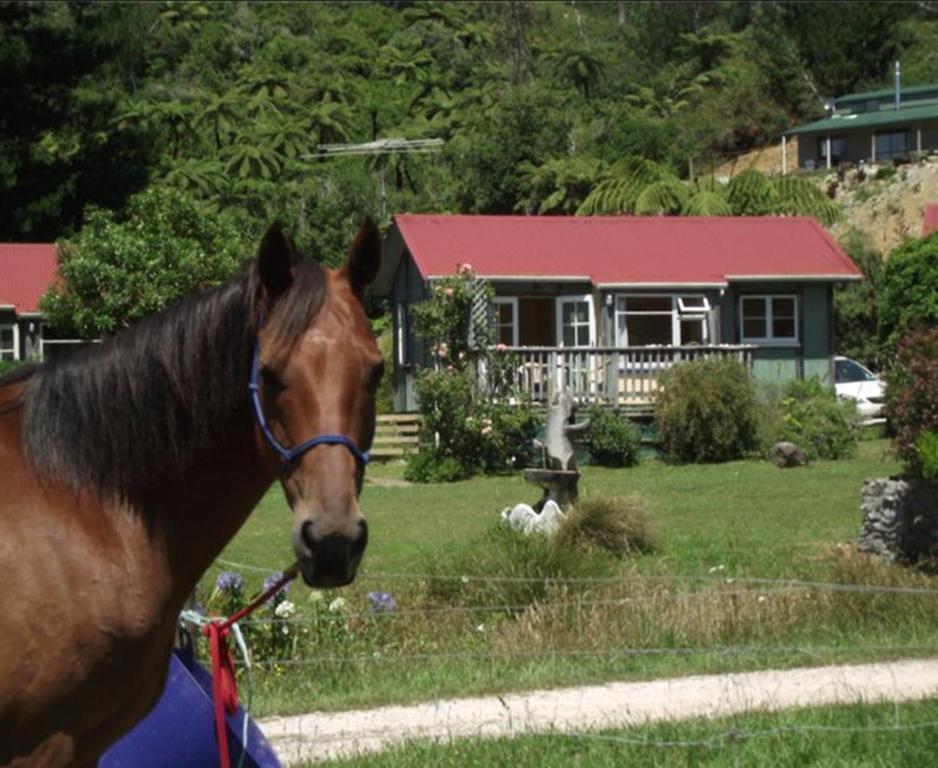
[
  {"x": 402, "y": 323},
  {"x": 575, "y": 321},
  {"x": 769, "y": 318},
  {"x": 838, "y": 148},
  {"x": 665, "y": 320},
  {"x": 506, "y": 321},
  {"x": 888, "y": 145},
  {"x": 849, "y": 372},
  {"x": 9, "y": 342}
]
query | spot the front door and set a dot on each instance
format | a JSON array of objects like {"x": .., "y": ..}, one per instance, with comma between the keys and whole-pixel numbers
[{"x": 575, "y": 328}]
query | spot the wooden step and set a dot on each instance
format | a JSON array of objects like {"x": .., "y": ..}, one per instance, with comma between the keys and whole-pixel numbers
[{"x": 396, "y": 440}]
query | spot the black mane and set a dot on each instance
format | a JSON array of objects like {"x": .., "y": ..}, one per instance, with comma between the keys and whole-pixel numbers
[{"x": 133, "y": 411}]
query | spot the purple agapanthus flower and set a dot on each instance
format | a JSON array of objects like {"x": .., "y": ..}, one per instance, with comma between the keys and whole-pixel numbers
[
  {"x": 381, "y": 602},
  {"x": 280, "y": 593},
  {"x": 229, "y": 581}
]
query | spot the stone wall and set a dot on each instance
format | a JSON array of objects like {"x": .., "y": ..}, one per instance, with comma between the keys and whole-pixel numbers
[{"x": 900, "y": 518}]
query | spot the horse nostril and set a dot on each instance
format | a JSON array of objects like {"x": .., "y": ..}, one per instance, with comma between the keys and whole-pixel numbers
[
  {"x": 359, "y": 544},
  {"x": 306, "y": 536}
]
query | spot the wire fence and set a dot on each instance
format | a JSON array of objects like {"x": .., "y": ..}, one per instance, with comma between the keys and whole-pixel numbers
[{"x": 322, "y": 736}]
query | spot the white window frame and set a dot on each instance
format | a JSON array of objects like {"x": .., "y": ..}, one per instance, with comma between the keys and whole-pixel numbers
[
  {"x": 560, "y": 301},
  {"x": 401, "y": 317},
  {"x": 15, "y": 351},
  {"x": 681, "y": 309},
  {"x": 770, "y": 339},
  {"x": 513, "y": 302}
]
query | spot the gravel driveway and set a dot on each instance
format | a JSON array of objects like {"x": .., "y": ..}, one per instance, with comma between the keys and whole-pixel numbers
[{"x": 323, "y": 736}]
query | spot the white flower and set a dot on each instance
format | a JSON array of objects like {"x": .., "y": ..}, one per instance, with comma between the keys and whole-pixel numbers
[
  {"x": 285, "y": 630},
  {"x": 464, "y": 579},
  {"x": 761, "y": 599},
  {"x": 315, "y": 596},
  {"x": 285, "y": 610},
  {"x": 337, "y": 605},
  {"x": 480, "y": 628}
]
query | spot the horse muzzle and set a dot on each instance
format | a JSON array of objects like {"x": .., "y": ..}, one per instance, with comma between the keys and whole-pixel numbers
[{"x": 330, "y": 559}]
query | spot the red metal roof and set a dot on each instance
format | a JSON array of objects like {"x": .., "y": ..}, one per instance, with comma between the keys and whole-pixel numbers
[
  {"x": 930, "y": 222},
  {"x": 626, "y": 250},
  {"x": 26, "y": 271}
]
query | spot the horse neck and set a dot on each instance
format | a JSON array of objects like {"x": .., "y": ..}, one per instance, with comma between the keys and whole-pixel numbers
[{"x": 210, "y": 503}]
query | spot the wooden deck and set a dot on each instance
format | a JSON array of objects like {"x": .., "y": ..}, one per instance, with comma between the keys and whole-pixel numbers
[{"x": 622, "y": 377}]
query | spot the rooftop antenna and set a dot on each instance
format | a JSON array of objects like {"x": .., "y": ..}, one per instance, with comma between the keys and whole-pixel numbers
[{"x": 377, "y": 147}]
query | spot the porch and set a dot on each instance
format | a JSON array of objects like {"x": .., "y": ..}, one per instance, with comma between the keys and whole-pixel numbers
[{"x": 622, "y": 377}]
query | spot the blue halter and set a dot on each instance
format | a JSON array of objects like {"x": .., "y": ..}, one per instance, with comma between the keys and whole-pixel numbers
[{"x": 289, "y": 455}]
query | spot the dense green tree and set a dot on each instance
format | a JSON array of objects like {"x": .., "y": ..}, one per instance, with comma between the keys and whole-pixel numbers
[
  {"x": 908, "y": 290},
  {"x": 115, "y": 271}
]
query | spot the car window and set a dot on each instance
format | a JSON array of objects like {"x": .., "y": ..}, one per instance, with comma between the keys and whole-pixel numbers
[{"x": 848, "y": 371}]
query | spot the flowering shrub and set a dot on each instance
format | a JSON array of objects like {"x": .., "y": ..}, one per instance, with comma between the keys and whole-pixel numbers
[
  {"x": 912, "y": 397},
  {"x": 472, "y": 411},
  {"x": 228, "y": 595}
]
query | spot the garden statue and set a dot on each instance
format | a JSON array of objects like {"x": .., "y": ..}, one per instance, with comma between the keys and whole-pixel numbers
[{"x": 559, "y": 478}]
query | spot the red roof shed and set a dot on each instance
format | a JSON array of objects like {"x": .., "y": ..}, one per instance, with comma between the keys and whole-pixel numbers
[
  {"x": 627, "y": 250},
  {"x": 26, "y": 272}
]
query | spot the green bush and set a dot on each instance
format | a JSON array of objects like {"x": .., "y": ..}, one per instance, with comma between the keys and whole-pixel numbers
[
  {"x": 620, "y": 526},
  {"x": 7, "y": 366},
  {"x": 811, "y": 416},
  {"x": 707, "y": 412},
  {"x": 429, "y": 466},
  {"x": 613, "y": 441},
  {"x": 926, "y": 448},
  {"x": 912, "y": 397}
]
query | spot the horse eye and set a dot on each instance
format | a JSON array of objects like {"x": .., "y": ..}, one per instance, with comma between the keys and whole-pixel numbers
[{"x": 271, "y": 380}]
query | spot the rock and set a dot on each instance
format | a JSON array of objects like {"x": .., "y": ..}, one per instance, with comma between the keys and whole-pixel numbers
[
  {"x": 785, "y": 454},
  {"x": 900, "y": 519}
]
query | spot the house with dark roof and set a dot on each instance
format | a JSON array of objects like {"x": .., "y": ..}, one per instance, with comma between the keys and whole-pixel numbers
[
  {"x": 872, "y": 127},
  {"x": 26, "y": 271},
  {"x": 601, "y": 305}
]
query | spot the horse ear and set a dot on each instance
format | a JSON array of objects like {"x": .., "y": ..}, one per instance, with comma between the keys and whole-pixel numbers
[
  {"x": 276, "y": 258},
  {"x": 364, "y": 257}
]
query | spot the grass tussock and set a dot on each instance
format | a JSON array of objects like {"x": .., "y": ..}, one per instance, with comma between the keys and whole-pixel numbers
[{"x": 619, "y": 525}]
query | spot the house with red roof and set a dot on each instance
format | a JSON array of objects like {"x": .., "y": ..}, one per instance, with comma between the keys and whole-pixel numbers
[
  {"x": 26, "y": 271},
  {"x": 601, "y": 305}
]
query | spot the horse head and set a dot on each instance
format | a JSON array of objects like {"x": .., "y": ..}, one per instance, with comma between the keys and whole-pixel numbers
[{"x": 314, "y": 380}]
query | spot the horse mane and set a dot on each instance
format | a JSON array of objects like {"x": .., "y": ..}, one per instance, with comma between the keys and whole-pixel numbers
[{"x": 133, "y": 411}]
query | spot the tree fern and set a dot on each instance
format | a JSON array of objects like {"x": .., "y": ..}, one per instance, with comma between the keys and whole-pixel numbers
[
  {"x": 662, "y": 198},
  {"x": 621, "y": 185},
  {"x": 752, "y": 193},
  {"x": 802, "y": 197},
  {"x": 707, "y": 202}
]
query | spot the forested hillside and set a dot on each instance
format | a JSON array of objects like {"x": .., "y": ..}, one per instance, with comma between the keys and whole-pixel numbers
[{"x": 537, "y": 104}]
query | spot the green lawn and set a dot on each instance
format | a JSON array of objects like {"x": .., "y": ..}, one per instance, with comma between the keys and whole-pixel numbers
[
  {"x": 859, "y": 736},
  {"x": 685, "y": 608}
]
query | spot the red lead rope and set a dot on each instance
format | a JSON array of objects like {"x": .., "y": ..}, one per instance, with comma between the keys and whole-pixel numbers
[{"x": 224, "y": 687}]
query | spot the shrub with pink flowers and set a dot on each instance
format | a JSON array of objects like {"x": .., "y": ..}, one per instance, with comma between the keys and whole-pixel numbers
[{"x": 473, "y": 414}]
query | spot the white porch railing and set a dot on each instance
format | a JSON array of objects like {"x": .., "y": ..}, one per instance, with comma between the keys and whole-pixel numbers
[{"x": 619, "y": 376}]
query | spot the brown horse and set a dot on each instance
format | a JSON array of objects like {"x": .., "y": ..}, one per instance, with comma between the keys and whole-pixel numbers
[{"x": 125, "y": 469}]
